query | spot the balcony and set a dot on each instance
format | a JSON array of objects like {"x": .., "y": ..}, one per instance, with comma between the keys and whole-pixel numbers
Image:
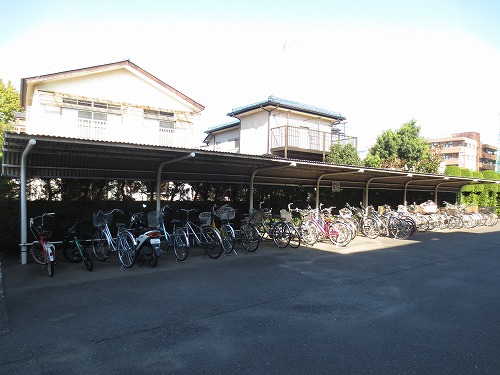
[
  {"x": 304, "y": 143},
  {"x": 116, "y": 131}
]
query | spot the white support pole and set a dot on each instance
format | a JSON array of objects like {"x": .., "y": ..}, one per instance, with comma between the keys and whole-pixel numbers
[
  {"x": 158, "y": 176},
  {"x": 252, "y": 177},
  {"x": 22, "y": 198}
]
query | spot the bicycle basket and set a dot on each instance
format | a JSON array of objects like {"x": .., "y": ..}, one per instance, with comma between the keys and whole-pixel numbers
[
  {"x": 226, "y": 213},
  {"x": 155, "y": 218},
  {"x": 205, "y": 219},
  {"x": 100, "y": 219},
  {"x": 256, "y": 217},
  {"x": 285, "y": 215},
  {"x": 345, "y": 213}
]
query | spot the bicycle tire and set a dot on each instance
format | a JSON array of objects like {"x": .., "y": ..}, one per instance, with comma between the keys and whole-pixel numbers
[
  {"x": 126, "y": 248},
  {"x": 228, "y": 238},
  {"x": 212, "y": 242},
  {"x": 309, "y": 233},
  {"x": 295, "y": 239},
  {"x": 250, "y": 237},
  {"x": 281, "y": 234},
  {"x": 36, "y": 252},
  {"x": 50, "y": 267},
  {"x": 370, "y": 228},
  {"x": 71, "y": 253},
  {"x": 87, "y": 259},
  {"x": 181, "y": 244},
  {"x": 151, "y": 259},
  {"x": 344, "y": 234},
  {"x": 100, "y": 246},
  {"x": 165, "y": 245}
]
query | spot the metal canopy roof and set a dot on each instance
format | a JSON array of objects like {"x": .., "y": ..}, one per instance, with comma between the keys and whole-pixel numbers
[{"x": 57, "y": 157}]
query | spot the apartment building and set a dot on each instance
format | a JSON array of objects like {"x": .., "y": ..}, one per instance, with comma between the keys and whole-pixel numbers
[{"x": 466, "y": 150}]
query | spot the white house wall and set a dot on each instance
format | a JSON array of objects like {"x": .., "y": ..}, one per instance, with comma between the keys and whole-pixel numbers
[
  {"x": 227, "y": 141},
  {"x": 120, "y": 86},
  {"x": 254, "y": 134}
]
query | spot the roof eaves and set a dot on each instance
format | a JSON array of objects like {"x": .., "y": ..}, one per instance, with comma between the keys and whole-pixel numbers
[
  {"x": 227, "y": 125},
  {"x": 98, "y": 68},
  {"x": 288, "y": 104}
]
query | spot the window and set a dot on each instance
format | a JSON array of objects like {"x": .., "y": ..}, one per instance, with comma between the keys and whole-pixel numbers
[
  {"x": 88, "y": 115},
  {"x": 89, "y": 103},
  {"x": 167, "y": 124}
]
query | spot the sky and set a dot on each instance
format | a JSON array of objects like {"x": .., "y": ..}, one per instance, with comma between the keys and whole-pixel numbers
[{"x": 378, "y": 63}]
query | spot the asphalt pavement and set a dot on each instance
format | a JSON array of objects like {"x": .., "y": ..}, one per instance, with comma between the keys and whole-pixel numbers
[{"x": 427, "y": 305}]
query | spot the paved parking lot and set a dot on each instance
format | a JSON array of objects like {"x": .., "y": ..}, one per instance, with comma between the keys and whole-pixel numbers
[{"x": 429, "y": 305}]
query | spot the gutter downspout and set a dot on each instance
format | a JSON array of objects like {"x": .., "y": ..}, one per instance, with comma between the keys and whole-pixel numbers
[
  {"x": 158, "y": 176},
  {"x": 24, "y": 216}
]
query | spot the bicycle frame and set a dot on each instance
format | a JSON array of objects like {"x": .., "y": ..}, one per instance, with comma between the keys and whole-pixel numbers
[{"x": 208, "y": 242}]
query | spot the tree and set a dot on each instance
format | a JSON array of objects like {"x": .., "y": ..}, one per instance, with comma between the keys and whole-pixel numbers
[
  {"x": 343, "y": 154},
  {"x": 404, "y": 148},
  {"x": 9, "y": 103}
]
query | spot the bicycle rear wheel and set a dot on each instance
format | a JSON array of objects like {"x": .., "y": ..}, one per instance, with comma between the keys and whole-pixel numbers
[
  {"x": 87, "y": 259},
  {"x": 212, "y": 242},
  {"x": 281, "y": 234},
  {"x": 36, "y": 252},
  {"x": 228, "y": 238},
  {"x": 100, "y": 245},
  {"x": 250, "y": 237},
  {"x": 181, "y": 244},
  {"x": 126, "y": 248},
  {"x": 294, "y": 237},
  {"x": 71, "y": 253}
]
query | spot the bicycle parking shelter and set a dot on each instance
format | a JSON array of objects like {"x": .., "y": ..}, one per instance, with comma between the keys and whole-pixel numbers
[{"x": 29, "y": 156}]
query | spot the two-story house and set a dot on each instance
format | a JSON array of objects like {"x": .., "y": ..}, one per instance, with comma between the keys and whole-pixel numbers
[
  {"x": 279, "y": 127},
  {"x": 118, "y": 102}
]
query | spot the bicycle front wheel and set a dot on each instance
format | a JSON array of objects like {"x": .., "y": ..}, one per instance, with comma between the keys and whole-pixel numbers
[
  {"x": 212, "y": 242},
  {"x": 100, "y": 245},
  {"x": 250, "y": 237},
  {"x": 126, "y": 248},
  {"x": 181, "y": 244}
]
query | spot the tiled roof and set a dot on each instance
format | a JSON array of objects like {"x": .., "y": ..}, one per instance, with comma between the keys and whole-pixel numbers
[
  {"x": 222, "y": 126},
  {"x": 287, "y": 104}
]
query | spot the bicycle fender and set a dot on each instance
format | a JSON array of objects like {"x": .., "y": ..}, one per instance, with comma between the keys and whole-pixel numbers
[{"x": 51, "y": 253}]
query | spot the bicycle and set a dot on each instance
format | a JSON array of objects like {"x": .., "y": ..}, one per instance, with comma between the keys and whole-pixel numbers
[
  {"x": 178, "y": 239},
  {"x": 249, "y": 234},
  {"x": 73, "y": 250},
  {"x": 103, "y": 242},
  {"x": 43, "y": 252},
  {"x": 273, "y": 228},
  {"x": 225, "y": 214},
  {"x": 295, "y": 237},
  {"x": 205, "y": 236}
]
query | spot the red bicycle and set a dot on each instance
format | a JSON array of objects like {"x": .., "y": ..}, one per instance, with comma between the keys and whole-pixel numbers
[{"x": 43, "y": 252}]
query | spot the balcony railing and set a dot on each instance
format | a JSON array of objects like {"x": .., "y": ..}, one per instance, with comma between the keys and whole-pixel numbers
[
  {"x": 92, "y": 129},
  {"x": 302, "y": 138}
]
